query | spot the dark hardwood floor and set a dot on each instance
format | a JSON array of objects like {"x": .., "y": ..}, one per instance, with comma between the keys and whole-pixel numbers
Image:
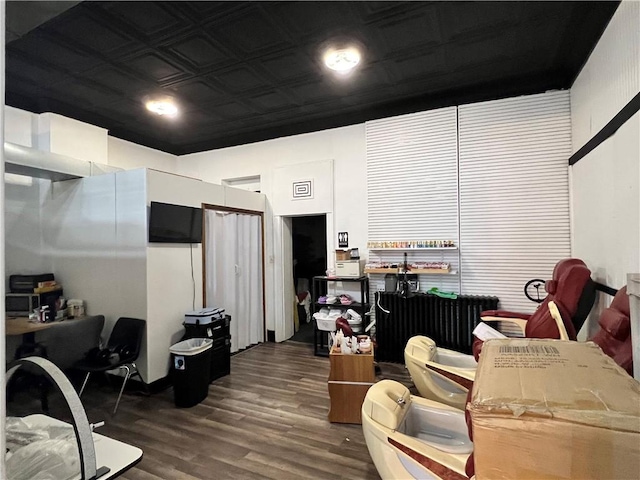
[{"x": 268, "y": 419}]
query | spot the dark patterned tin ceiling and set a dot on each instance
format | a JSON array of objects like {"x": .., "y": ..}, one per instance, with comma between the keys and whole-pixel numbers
[{"x": 249, "y": 71}]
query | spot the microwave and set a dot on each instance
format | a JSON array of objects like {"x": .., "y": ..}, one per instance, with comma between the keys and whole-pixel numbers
[{"x": 21, "y": 304}]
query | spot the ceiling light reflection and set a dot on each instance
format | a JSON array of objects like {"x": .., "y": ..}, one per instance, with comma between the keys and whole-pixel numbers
[
  {"x": 165, "y": 107},
  {"x": 342, "y": 60}
]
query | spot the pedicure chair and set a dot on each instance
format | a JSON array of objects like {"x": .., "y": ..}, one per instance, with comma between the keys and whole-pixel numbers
[
  {"x": 439, "y": 374},
  {"x": 446, "y": 376},
  {"x": 614, "y": 333},
  {"x": 412, "y": 437},
  {"x": 587, "y": 295},
  {"x": 571, "y": 288},
  {"x": 574, "y": 294}
]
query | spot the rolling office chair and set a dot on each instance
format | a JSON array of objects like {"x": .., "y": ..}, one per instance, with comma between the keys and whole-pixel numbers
[{"x": 121, "y": 353}]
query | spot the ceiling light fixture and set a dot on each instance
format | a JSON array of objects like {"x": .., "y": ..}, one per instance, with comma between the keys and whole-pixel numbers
[
  {"x": 342, "y": 60},
  {"x": 165, "y": 107}
]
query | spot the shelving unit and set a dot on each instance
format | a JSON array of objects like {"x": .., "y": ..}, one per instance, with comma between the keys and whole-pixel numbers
[
  {"x": 320, "y": 286},
  {"x": 420, "y": 271},
  {"x": 448, "y": 280},
  {"x": 416, "y": 249}
]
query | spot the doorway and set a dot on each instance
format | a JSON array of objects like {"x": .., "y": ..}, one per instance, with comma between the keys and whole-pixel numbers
[
  {"x": 309, "y": 246},
  {"x": 233, "y": 271}
]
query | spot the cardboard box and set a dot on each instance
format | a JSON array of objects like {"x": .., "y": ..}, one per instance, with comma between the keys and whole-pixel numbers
[
  {"x": 348, "y": 268},
  {"x": 543, "y": 409}
]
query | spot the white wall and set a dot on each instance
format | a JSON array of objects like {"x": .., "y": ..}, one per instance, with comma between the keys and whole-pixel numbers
[
  {"x": 128, "y": 156},
  {"x": 66, "y": 136},
  {"x": 345, "y": 146},
  {"x": 605, "y": 186},
  {"x": 170, "y": 291},
  {"x": 18, "y": 126},
  {"x": 316, "y": 180},
  {"x": 54, "y": 133},
  {"x": 23, "y": 231},
  {"x": 173, "y": 286}
]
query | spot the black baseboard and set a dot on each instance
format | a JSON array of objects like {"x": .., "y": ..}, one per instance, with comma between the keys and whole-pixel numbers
[{"x": 271, "y": 335}]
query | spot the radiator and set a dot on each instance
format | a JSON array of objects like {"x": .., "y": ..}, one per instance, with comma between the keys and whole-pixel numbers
[{"x": 447, "y": 321}]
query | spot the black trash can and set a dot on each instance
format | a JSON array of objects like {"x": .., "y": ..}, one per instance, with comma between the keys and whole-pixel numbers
[{"x": 191, "y": 369}]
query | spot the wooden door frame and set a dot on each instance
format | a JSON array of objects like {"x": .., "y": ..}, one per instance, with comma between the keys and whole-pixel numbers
[{"x": 220, "y": 208}]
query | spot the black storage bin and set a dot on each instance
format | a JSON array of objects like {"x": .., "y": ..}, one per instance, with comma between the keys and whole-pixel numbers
[
  {"x": 219, "y": 328},
  {"x": 191, "y": 370},
  {"x": 221, "y": 357},
  {"x": 218, "y": 331}
]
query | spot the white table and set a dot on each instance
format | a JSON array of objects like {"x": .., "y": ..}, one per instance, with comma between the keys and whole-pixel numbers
[{"x": 113, "y": 454}]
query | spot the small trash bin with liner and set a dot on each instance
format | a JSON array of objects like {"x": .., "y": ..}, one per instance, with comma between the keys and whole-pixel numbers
[{"x": 190, "y": 370}]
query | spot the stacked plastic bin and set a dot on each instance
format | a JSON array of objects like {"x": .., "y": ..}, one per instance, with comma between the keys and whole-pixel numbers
[{"x": 212, "y": 324}]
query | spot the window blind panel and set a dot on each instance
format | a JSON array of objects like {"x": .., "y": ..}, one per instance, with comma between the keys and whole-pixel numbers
[
  {"x": 412, "y": 177},
  {"x": 412, "y": 185},
  {"x": 514, "y": 194}
]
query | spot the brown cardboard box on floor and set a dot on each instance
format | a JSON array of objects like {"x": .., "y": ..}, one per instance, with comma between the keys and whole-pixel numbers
[{"x": 545, "y": 409}]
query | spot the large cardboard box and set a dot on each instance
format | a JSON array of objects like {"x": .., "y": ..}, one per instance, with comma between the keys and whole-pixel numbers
[{"x": 543, "y": 409}]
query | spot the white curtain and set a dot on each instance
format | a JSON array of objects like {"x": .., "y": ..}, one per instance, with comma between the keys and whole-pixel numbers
[{"x": 234, "y": 273}]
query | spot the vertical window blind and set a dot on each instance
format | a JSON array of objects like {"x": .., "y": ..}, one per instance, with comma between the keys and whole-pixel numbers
[
  {"x": 491, "y": 176},
  {"x": 514, "y": 193},
  {"x": 412, "y": 185}
]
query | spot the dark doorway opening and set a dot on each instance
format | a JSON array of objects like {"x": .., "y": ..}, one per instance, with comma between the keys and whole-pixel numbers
[{"x": 309, "y": 245}]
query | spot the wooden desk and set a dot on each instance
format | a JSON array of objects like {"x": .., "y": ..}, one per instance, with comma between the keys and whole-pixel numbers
[
  {"x": 22, "y": 326},
  {"x": 349, "y": 380},
  {"x": 113, "y": 454}
]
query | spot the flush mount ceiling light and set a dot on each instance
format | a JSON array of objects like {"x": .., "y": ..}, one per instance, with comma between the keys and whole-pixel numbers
[
  {"x": 342, "y": 60},
  {"x": 163, "y": 106}
]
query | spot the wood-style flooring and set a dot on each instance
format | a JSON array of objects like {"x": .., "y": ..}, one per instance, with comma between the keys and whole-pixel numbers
[{"x": 267, "y": 420}]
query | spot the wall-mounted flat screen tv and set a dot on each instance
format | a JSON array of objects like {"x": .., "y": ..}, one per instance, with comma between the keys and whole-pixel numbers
[{"x": 174, "y": 223}]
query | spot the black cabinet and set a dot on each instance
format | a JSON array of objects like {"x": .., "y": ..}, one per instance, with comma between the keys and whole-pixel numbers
[
  {"x": 320, "y": 288},
  {"x": 218, "y": 331}
]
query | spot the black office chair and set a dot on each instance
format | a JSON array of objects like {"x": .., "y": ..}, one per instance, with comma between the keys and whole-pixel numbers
[{"x": 121, "y": 353}]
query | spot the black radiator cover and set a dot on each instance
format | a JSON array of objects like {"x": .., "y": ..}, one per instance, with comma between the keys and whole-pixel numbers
[{"x": 449, "y": 322}]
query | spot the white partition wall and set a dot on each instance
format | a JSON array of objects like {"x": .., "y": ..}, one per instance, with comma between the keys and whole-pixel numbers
[
  {"x": 95, "y": 235},
  {"x": 94, "y": 239},
  {"x": 514, "y": 195}
]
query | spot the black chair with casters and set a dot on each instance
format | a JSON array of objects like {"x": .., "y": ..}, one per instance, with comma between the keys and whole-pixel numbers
[{"x": 121, "y": 353}]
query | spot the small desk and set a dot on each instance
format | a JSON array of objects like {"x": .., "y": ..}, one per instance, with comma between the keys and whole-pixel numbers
[
  {"x": 117, "y": 456},
  {"x": 22, "y": 326}
]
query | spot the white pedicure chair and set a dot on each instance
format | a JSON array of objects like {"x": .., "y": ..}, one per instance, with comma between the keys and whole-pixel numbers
[
  {"x": 440, "y": 374},
  {"x": 411, "y": 437}
]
